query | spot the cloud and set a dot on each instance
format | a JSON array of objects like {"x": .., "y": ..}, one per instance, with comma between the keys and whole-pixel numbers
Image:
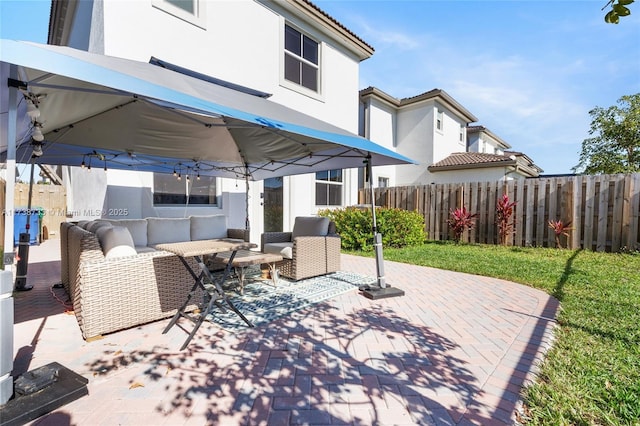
[
  {"x": 388, "y": 38},
  {"x": 534, "y": 90}
]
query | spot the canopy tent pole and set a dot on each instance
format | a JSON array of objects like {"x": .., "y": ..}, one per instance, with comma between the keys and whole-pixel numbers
[
  {"x": 377, "y": 237},
  {"x": 381, "y": 290},
  {"x": 24, "y": 242},
  {"x": 247, "y": 223}
]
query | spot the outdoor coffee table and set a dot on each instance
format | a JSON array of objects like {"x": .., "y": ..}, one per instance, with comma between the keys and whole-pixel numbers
[
  {"x": 197, "y": 249},
  {"x": 246, "y": 258}
]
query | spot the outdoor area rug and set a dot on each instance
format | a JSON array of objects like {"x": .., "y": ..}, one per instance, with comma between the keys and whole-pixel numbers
[{"x": 263, "y": 302}]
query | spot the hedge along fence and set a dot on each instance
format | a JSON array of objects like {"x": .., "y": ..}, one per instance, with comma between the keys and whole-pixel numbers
[{"x": 604, "y": 210}]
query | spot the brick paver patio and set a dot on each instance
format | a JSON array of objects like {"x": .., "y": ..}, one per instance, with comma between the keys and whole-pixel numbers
[{"x": 456, "y": 349}]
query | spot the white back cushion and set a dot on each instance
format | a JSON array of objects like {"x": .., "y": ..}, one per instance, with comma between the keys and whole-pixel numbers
[
  {"x": 161, "y": 230},
  {"x": 97, "y": 224},
  {"x": 310, "y": 226},
  {"x": 137, "y": 228},
  {"x": 208, "y": 227}
]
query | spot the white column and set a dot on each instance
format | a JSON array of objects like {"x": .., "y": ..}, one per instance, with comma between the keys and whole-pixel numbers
[
  {"x": 6, "y": 336},
  {"x": 8, "y": 103}
]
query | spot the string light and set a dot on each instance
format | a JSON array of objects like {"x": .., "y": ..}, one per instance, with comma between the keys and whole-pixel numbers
[
  {"x": 32, "y": 110},
  {"x": 37, "y": 150},
  {"x": 36, "y": 132}
]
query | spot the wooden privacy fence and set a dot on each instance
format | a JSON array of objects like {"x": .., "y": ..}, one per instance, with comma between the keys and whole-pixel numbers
[
  {"x": 51, "y": 199},
  {"x": 604, "y": 210}
]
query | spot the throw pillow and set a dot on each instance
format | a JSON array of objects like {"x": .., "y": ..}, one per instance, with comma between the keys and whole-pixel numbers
[{"x": 116, "y": 241}]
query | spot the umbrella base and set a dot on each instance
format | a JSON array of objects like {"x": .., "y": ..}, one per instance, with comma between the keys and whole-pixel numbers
[
  {"x": 375, "y": 292},
  {"x": 41, "y": 391}
]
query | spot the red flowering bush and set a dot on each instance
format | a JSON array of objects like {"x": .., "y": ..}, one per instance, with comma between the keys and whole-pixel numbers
[{"x": 460, "y": 220}]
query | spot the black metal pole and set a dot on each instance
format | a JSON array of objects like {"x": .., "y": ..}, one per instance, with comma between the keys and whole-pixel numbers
[
  {"x": 23, "y": 244},
  {"x": 381, "y": 290},
  {"x": 377, "y": 237}
]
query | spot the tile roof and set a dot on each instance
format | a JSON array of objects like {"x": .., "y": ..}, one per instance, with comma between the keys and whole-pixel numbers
[
  {"x": 433, "y": 94},
  {"x": 336, "y": 22},
  {"x": 466, "y": 160}
]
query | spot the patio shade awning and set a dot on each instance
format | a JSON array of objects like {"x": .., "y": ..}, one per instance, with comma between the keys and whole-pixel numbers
[{"x": 138, "y": 116}]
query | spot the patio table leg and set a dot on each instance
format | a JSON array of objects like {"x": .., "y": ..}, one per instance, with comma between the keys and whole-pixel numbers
[
  {"x": 273, "y": 272},
  {"x": 240, "y": 272},
  {"x": 216, "y": 297}
]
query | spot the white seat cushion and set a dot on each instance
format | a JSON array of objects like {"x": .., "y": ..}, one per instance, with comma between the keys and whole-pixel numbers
[
  {"x": 145, "y": 249},
  {"x": 283, "y": 249},
  {"x": 116, "y": 241},
  {"x": 208, "y": 227}
]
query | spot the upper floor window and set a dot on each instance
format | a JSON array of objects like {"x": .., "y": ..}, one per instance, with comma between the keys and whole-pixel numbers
[
  {"x": 329, "y": 188},
  {"x": 192, "y": 11},
  {"x": 172, "y": 190},
  {"x": 301, "y": 59},
  {"x": 462, "y": 134},
  {"x": 440, "y": 120},
  {"x": 383, "y": 182}
]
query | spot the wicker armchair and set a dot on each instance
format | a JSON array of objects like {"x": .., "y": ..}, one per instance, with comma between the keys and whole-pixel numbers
[{"x": 311, "y": 249}]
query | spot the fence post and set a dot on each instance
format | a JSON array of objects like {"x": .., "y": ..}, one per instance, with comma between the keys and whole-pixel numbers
[
  {"x": 618, "y": 208},
  {"x": 575, "y": 193},
  {"x": 603, "y": 210},
  {"x": 634, "y": 227},
  {"x": 519, "y": 199}
]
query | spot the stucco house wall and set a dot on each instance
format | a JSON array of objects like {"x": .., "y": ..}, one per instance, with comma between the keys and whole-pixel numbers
[
  {"x": 411, "y": 126},
  {"x": 239, "y": 41},
  {"x": 480, "y": 139},
  {"x": 491, "y": 174}
]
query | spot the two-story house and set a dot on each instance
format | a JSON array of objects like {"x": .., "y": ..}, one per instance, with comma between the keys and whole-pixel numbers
[
  {"x": 487, "y": 158},
  {"x": 288, "y": 50},
  {"x": 436, "y": 130}
]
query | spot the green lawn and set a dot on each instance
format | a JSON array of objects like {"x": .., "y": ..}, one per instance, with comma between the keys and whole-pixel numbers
[{"x": 591, "y": 376}]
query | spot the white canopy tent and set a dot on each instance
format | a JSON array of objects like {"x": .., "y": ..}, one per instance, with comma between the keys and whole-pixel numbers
[
  {"x": 141, "y": 115},
  {"x": 76, "y": 106}
]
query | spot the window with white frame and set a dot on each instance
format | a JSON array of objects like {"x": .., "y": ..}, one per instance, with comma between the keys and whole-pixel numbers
[
  {"x": 462, "y": 135},
  {"x": 329, "y": 188},
  {"x": 439, "y": 120},
  {"x": 383, "y": 182},
  {"x": 172, "y": 190},
  {"x": 192, "y": 11},
  {"x": 301, "y": 59}
]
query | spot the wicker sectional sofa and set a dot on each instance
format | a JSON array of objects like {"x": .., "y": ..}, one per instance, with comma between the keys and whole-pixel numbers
[{"x": 115, "y": 285}]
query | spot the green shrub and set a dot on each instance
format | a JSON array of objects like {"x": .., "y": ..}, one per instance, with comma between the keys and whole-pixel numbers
[{"x": 399, "y": 228}]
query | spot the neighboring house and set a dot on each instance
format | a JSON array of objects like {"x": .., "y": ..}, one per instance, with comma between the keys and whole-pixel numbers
[
  {"x": 289, "y": 49},
  {"x": 487, "y": 159},
  {"x": 481, "y": 139},
  {"x": 425, "y": 128},
  {"x": 436, "y": 131}
]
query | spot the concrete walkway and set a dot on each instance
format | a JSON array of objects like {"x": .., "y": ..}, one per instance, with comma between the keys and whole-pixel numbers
[{"x": 456, "y": 349}]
